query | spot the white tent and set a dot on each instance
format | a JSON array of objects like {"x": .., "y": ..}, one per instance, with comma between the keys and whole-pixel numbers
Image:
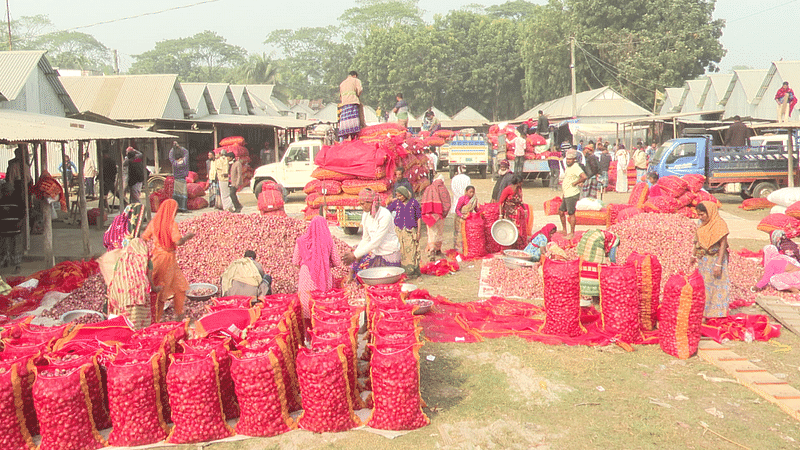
[
  {"x": 740, "y": 97},
  {"x": 597, "y": 106}
]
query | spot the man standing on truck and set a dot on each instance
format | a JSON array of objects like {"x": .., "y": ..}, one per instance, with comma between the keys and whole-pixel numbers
[
  {"x": 400, "y": 110},
  {"x": 542, "y": 124},
  {"x": 350, "y": 116},
  {"x": 737, "y": 134}
]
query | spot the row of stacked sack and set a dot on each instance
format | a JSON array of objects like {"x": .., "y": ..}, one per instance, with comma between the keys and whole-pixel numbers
[{"x": 67, "y": 384}]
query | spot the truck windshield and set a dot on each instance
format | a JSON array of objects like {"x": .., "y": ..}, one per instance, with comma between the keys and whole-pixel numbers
[
  {"x": 297, "y": 154},
  {"x": 684, "y": 150},
  {"x": 660, "y": 152}
]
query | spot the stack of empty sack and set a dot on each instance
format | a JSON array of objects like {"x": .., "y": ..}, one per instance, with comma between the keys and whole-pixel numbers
[
  {"x": 437, "y": 139},
  {"x": 195, "y": 190},
  {"x": 270, "y": 200},
  {"x": 785, "y": 215},
  {"x": 631, "y": 303}
]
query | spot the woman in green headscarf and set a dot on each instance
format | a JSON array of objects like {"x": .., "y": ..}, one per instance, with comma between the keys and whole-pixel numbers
[{"x": 408, "y": 222}]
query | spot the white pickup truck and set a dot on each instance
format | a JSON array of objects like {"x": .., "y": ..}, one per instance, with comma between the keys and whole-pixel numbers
[{"x": 293, "y": 171}]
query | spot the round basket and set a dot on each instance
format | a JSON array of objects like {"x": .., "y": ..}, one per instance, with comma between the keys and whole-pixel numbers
[
  {"x": 504, "y": 232},
  {"x": 423, "y": 305},
  {"x": 201, "y": 298}
]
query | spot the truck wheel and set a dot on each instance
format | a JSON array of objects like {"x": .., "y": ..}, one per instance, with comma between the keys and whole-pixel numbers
[
  {"x": 743, "y": 193},
  {"x": 482, "y": 171},
  {"x": 257, "y": 189},
  {"x": 762, "y": 190},
  {"x": 452, "y": 171},
  {"x": 350, "y": 230}
]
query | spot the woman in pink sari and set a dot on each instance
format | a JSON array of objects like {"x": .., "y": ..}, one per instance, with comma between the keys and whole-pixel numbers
[
  {"x": 315, "y": 253},
  {"x": 780, "y": 271}
]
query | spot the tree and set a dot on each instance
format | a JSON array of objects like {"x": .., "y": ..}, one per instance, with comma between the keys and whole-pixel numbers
[
  {"x": 514, "y": 10},
  {"x": 65, "y": 49},
  {"x": 380, "y": 14},
  {"x": 261, "y": 69},
  {"x": 205, "y": 56}
]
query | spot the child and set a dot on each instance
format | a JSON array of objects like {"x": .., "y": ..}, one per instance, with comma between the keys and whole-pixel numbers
[
  {"x": 467, "y": 204},
  {"x": 408, "y": 223}
]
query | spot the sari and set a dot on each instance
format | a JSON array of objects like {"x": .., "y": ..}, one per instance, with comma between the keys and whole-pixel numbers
[
  {"x": 316, "y": 254},
  {"x": 706, "y": 251},
  {"x": 538, "y": 242},
  {"x": 125, "y": 271},
  {"x": 435, "y": 207},
  {"x": 784, "y": 245},
  {"x": 775, "y": 274},
  {"x": 166, "y": 273},
  {"x": 513, "y": 209},
  {"x": 124, "y": 227}
]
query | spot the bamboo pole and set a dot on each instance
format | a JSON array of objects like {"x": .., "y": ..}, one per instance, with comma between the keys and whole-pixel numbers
[
  {"x": 87, "y": 251},
  {"x": 47, "y": 210},
  {"x": 121, "y": 179},
  {"x": 101, "y": 199},
  {"x": 157, "y": 164},
  {"x": 26, "y": 171},
  {"x": 147, "y": 210}
]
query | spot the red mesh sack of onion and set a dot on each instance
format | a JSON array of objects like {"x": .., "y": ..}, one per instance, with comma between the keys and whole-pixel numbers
[
  {"x": 681, "y": 314},
  {"x": 648, "y": 280},
  {"x": 14, "y": 434},
  {"x": 473, "y": 236},
  {"x": 261, "y": 391},
  {"x": 348, "y": 339},
  {"x": 395, "y": 389},
  {"x": 205, "y": 346},
  {"x": 562, "y": 293},
  {"x": 193, "y": 386},
  {"x": 619, "y": 301},
  {"x": 94, "y": 385},
  {"x": 63, "y": 407},
  {"x": 322, "y": 373},
  {"x": 135, "y": 401},
  {"x": 286, "y": 362}
]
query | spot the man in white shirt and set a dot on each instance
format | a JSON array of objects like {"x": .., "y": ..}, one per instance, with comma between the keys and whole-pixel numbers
[
  {"x": 379, "y": 244},
  {"x": 519, "y": 144},
  {"x": 89, "y": 173}
]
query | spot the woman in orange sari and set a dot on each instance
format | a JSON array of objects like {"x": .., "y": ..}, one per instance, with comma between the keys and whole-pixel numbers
[{"x": 166, "y": 273}]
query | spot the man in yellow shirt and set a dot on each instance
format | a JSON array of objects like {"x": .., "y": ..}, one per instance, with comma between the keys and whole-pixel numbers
[
  {"x": 573, "y": 179},
  {"x": 350, "y": 106}
]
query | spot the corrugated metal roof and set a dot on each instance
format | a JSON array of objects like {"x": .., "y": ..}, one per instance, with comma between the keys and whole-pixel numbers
[
  {"x": 238, "y": 119},
  {"x": 750, "y": 80},
  {"x": 221, "y": 92},
  {"x": 197, "y": 92},
  {"x": 720, "y": 82},
  {"x": 15, "y": 69},
  {"x": 125, "y": 97},
  {"x": 697, "y": 88},
  {"x": 17, "y": 126},
  {"x": 562, "y": 107}
]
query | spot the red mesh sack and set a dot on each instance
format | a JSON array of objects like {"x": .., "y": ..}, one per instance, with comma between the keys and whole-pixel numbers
[
  {"x": 395, "y": 389},
  {"x": 155, "y": 201},
  {"x": 134, "y": 399},
  {"x": 687, "y": 198},
  {"x": 788, "y": 224},
  {"x": 270, "y": 200},
  {"x": 14, "y": 434},
  {"x": 705, "y": 196},
  {"x": 194, "y": 190},
  {"x": 331, "y": 187},
  {"x": 473, "y": 238},
  {"x": 490, "y": 213},
  {"x": 551, "y": 206},
  {"x": 322, "y": 374},
  {"x": 194, "y": 397},
  {"x": 353, "y": 187},
  {"x": 694, "y": 181},
  {"x": 348, "y": 339},
  {"x": 260, "y": 389},
  {"x": 613, "y": 211},
  {"x": 193, "y": 204},
  {"x": 94, "y": 384},
  {"x": 648, "y": 281},
  {"x": 639, "y": 194},
  {"x": 662, "y": 204},
  {"x": 681, "y": 314},
  {"x": 562, "y": 293},
  {"x": 38, "y": 333},
  {"x": 619, "y": 300},
  {"x": 688, "y": 211},
  {"x": 792, "y": 211},
  {"x": 325, "y": 174},
  {"x": 26, "y": 375},
  {"x": 753, "y": 204},
  {"x": 169, "y": 187},
  {"x": 192, "y": 177},
  {"x": 63, "y": 407},
  {"x": 673, "y": 186},
  {"x": 311, "y": 186},
  {"x": 286, "y": 362},
  {"x": 231, "y": 140},
  {"x": 592, "y": 217},
  {"x": 205, "y": 346},
  {"x": 95, "y": 214}
]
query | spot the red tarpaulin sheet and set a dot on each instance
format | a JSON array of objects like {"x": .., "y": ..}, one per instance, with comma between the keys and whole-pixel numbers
[
  {"x": 357, "y": 158},
  {"x": 63, "y": 277}
]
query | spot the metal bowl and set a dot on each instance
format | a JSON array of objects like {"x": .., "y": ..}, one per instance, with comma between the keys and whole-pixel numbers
[
  {"x": 423, "y": 305},
  {"x": 69, "y": 316},
  {"x": 408, "y": 287},
  {"x": 518, "y": 254},
  {"x": 516, "y": 263},
  {"x": 201, "y": 298},
  {"x": 504, "y": 232},
  {"x": 381, "y": 275}
]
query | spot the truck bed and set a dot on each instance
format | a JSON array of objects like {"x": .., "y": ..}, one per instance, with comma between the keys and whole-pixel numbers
[{"x": 733, "y": 164}]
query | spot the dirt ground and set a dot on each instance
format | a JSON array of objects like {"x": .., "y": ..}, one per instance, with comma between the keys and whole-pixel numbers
[{"x": 510, "y": 393}]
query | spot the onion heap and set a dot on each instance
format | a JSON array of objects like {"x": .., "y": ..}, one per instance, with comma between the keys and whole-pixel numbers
[
  {"x": 522, "y": 282},
  {"x": 92, "y": 295}
]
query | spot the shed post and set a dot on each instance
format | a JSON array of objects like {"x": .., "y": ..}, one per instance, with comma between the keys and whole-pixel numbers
[
  {"x": 147, "y": 212},
  {"x": 25, "y": 192},
  {"x": 47, "y": 210},
  {"x": 121, "y": 178},
  {"x": 156, "y": 163},
  {"x": 791, "y": 156},
  {"x": 101, "y": 202},
  {"x": 87, "y": 251},
  {"x": 64, "y": 174}
]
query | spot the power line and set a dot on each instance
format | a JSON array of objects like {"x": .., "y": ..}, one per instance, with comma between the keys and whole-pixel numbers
[{"x": 761, "y": 11}]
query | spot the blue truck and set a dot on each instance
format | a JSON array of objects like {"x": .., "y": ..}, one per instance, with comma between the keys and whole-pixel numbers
[{"x": 752, "y": 171}]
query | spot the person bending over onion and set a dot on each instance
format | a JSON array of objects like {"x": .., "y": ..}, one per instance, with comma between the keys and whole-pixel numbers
[
  {"x": 316, "y": 254},
  {"x": 246, "y": 276},
  {"x": 782, "y": 272},
  {"x": 379, "y": 244}
]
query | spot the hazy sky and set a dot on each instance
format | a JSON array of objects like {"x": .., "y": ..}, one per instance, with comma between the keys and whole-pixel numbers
[{"x": 753, "y": 35}]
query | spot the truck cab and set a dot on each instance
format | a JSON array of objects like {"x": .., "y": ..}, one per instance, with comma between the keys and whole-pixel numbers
[
  {"x": 681, "y": 157},
  {"x": 293, "y": 171}
]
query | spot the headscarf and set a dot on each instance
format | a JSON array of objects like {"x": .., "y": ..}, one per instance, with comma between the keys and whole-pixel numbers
[
  {"x": 163, "y": 222},
  {"x": 546, "y": 230},
  {"x": 776, "y": 237},
  {"x": 435, "y": 202},
  {"x": 129, "y": 284},
  {"x": 714, "y": 230},
  {"x": 785, "y": 245},
  {"x": 315, "y": 247},
  {"x": 243, "y": 270},
  {"x": 368, "y": 195},
  {"x": 402, "y": 190}
]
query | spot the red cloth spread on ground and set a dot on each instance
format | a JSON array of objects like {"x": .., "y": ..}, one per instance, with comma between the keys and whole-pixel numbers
[
  {"x": 357, "y": 158},
  {"x": 736, "y": 327},
  {"x": 63, "y": 277},
  {"x": 440, "y": 267}
]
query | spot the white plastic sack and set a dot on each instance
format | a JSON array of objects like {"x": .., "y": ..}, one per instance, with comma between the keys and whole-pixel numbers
[
  {"x": 778, "y": 209},
  {"x": 589, "y": 204},
  {"x": 785, "y": 197}
]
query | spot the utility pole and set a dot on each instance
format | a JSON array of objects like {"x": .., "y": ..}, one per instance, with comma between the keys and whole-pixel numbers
[
  {"x": 8, "y": 15},
  {"x": 116, "y": 62},
  {"x": 572, "y": 73}
]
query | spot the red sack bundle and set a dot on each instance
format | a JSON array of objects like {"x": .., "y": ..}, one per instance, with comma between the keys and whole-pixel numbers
[
  {"x": 688, "y": 211},
  {"x": 64, "y": 407},
  {"x": 87, "y": 362},
  {"x": 194, "y": 190},
  {"x": 510, "y": 154},
  {"x": 193, "y": 204},
  {"x": 688, "y": 198},
  {"x": 27, "y": 376},
  {"x": 681, "y": 314},
  {"x": 331, "y": 187},
  {"x": 231, "y": 140},
  {"x": 562, "y": 294},
  {"x": 648, "y": 281},
  {"x": 619, "y": 300},
  {"x": 705, "y": 196},
  {"x": 753, "y": 204},
  {"x": 204, "y": 347},
  {"x": 395, "y": 389},
  {"x": 613, "y": 211},
  {"x": 14, "y": 434},
  {"x": 433, "y": 141},
  {"x": 95, "y": 214},
  {"x": 551, "y": 206},
  {"x": 673, "y": 186},
  {"x": 286, "y": 361},
  {"x": 793, "y": 210},
  {"x": 639, "y": 195},
  {"x": 349, "y": 340},
  {"x": 261, "y": 390},
  {"x": 169, "y": 187},
  {"x": 662, "y": 204},
  {"x": 353, "y": 187},
  {"x": 134, "y": 400},
  {"x": 694, "y": 181},
  {"x": 194, "y": 397},
  {"x": 490, "y": 213},
  {"x": 192, "y": 177},
  {"x": 327, "y": 407},
  {"x": 788, "y": 224},
  {"x": 270, "y": 200},
  {"x": 325, "y": 174},
  {"x": 473, "y": 237}
]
